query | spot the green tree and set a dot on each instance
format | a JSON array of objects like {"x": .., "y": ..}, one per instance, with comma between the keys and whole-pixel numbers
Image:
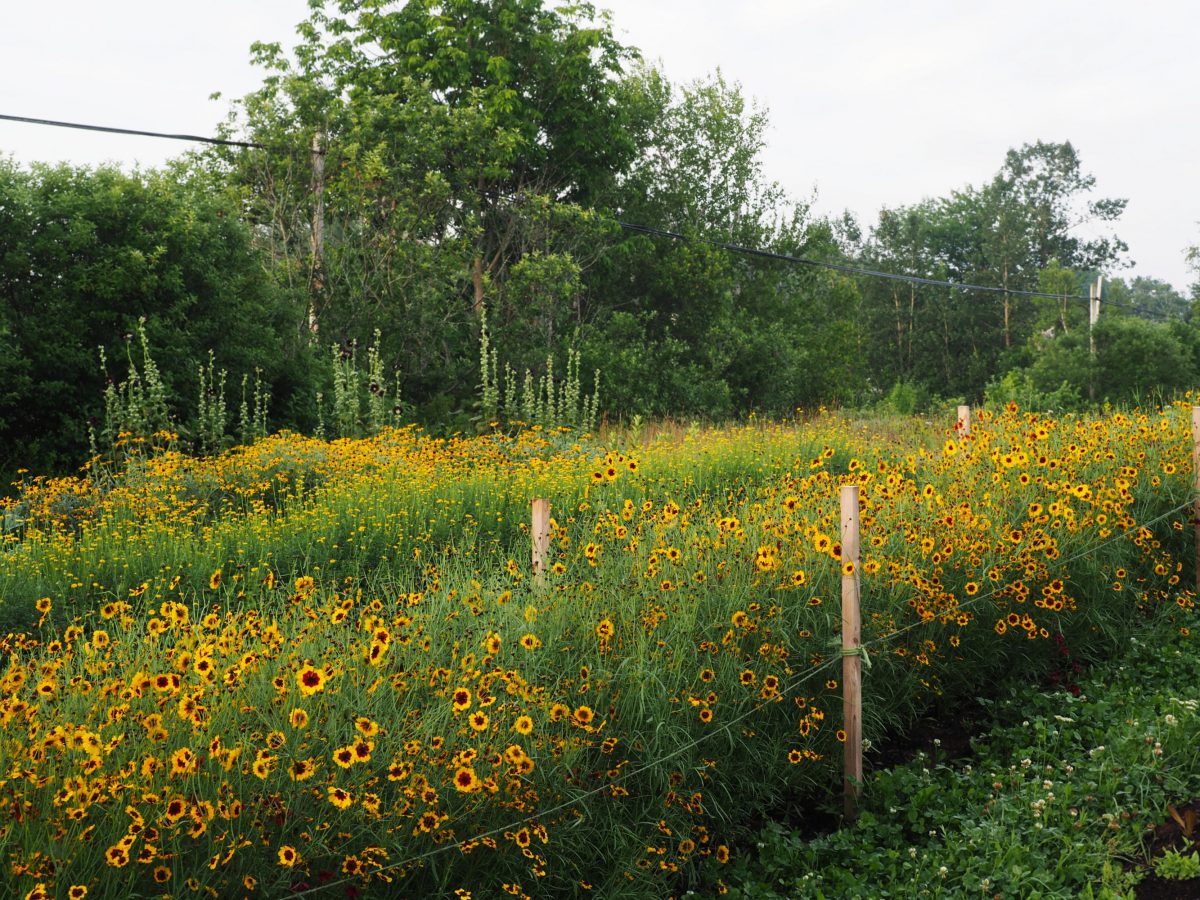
[
  {"x": 1066, "y": 313},
  {"x": 1141, "y": 362},
  {"x": 1027, "y": 219},
  {"x": 694, "y": 328},
  {"x": 463, "y": 143},
  {"x": 84, "y": 254},
  {"x": 1147, "y": 298},
  {"x": 1192, "y": 257}
]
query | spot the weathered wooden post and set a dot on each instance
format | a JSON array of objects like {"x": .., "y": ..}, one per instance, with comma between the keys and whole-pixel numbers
[
  {"x": 964, "y": 420},
  {"x": 540, "y": 534},
  {"x": 851, "y": 646},
  {"x": 1196, "y": 478}
]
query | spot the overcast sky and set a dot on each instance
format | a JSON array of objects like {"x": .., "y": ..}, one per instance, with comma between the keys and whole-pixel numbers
[{"x": 873, "y": 102}]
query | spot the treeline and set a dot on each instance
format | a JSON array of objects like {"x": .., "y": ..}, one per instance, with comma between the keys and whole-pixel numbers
[{"x": 451, "y": 175}]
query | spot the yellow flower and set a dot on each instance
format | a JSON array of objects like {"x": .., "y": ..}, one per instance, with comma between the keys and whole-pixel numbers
[
  {"x": 465, "y": 780},
  {"x": 340, "y": 798},
  {"x": 310, "y": 680},
  {"x": 302, "y": 769},
  {"x": 478, "y": 720}
]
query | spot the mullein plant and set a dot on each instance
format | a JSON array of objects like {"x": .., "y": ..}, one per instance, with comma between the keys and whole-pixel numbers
[{"x": 544, "y": 400}]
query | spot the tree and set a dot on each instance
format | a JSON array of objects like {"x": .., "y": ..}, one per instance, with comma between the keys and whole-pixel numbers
[
  {"x": 1067, "y": 313},
  {"x": 1192, "y": 257},
  {"x": 694, "y": 328},
  {"x": 83, "y": 255},
  {"x": 1147, "y": 298},
  {"x": 1004, "y": 234},
  {"x": 463, "y": 142}
]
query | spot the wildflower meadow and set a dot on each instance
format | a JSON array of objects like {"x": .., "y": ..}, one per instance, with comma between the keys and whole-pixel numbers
[{"x": 308, "y": 668}]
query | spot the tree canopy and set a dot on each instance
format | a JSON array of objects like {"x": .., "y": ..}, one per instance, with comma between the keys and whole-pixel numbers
[{"x": 453, "y": 175}]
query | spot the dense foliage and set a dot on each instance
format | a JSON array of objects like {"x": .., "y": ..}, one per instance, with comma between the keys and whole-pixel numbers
[
  {"x": 452, "y": 172},
  {"x": 1078, "y": 789},
  {"x": 83, "y": 256}
]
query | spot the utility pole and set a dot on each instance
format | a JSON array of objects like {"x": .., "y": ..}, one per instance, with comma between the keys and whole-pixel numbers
[
  {"x": 1093, "y": 317},
  {"x": 318, "y": 230}
]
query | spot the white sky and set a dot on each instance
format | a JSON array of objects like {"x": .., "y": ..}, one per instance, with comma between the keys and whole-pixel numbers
[{"x": 873, "y": 102}]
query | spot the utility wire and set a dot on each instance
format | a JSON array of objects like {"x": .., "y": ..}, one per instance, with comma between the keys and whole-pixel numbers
[
  {"x": 795, "y": 682},
  {"x": 891, "y": 276},
  {"x": 1088, "y": 551},
  {"x": 628, "y": 226},
  {"x": 851, "y": 270},
  {"x": 194, "y": 138}
]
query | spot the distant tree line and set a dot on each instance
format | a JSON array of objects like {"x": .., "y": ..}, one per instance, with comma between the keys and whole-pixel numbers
[{"x": 451, "y": 174}]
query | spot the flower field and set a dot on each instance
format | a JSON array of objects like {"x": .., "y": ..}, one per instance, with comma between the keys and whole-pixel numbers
[{"x": 325, "y": 669}]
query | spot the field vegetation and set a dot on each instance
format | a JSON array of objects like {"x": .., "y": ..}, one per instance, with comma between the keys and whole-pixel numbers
[{"x": 306, "y": 667}]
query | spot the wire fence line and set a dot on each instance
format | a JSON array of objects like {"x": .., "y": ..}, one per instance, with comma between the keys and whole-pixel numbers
[
  {"x": 793, "y": 683},
  {"x": 1088, "y": 551}
]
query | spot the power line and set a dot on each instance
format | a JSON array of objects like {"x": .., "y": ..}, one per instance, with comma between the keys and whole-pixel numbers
[
  {"x": 795, "y": 682},
  {"x": 851, "y": 270},
  {"x": 629, "y": 226},
  {"x": 891, "y": 276},
  {"x": 194, "y": 138}
]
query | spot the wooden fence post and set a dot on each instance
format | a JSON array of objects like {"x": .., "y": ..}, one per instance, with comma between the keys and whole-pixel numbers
[
  {"x": 964, "y": 420},
  {"x": 1196, "y": 477},
  {"x": 540, "y": 533},
  {"x": 851, "y": 643}
]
